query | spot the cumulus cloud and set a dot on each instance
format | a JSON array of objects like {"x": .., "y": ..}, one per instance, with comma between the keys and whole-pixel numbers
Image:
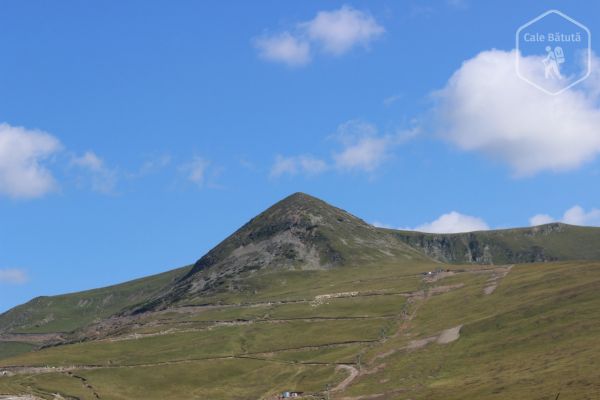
[
  {"x": 363, "y": 148},
  {"x": 103, "y": 179},
  {"x": 333, "y": 32},
  {"x": 486, "y": 108},
  {"x": 366, "y": 154},
  {"x": 540, "y": 219},
  {"x": 22, "y": 156},
  {"x": 360, "y": 148},
  {"x": 575, "y": 215},
  {"x": 304, "y": 164},
  {"x": 454, "y": 222},
  {"x": 340, "y": 30},
  {"x": 13, "y": 276},
  {"x": 284, "y": 48}
]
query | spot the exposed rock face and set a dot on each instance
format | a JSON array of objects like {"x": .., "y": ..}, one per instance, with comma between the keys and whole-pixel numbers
[{"x": 490, "y": 247}]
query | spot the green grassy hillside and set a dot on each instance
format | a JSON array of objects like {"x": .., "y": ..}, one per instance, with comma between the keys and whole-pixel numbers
[
  {"x": 307, "y": 297},
  {"x": 534, "y": 335},
  {"x": 66, "y": 313}
]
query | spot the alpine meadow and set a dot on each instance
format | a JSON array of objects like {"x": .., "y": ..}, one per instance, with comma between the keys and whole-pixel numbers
[{"x": 271, "y": 200}]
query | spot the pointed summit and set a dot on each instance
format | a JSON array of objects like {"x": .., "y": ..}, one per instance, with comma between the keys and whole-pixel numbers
[{"x": 298, "y": 233}]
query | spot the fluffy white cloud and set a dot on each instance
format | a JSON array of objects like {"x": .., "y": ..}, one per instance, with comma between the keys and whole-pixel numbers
[
  {"x": 363, "y": 148},
  {"x": 13, "y": 276},
  {"x": 22, "y": 153},
  {"x": 340, "y": 30},
  {"x": 304, "y": 164},
  {"x": 540, "y": 219},
  {"x": 284, "y": 48},
  {"x": 575, "y": 215},
  {"x": 578, "y": 216},
  {"x": 334, "y": 32},
  {"x": 454, "y": 222},
  {"x": 366, "y": 154},
  {"x": 103, "y": 179},
  {"x": 486, "y": 108}
]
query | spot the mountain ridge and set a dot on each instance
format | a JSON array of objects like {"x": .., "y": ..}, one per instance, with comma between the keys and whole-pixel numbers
[
  {"x": 300, "y": 232},
  {"x": 543, "y": 243},
  {"x": 304, "y": 233},
  {"x": 307, "y": 297}
]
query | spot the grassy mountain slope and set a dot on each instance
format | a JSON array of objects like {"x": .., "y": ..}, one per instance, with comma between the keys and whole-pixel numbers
[
  {"x": 308, "y": 297},
  {"x": 551, "y": 242},
  {"x": 68, "y": 312},
  {"x": 533, "y": 336}
]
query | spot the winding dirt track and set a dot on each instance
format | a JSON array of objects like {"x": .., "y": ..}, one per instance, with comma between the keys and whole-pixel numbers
[
  {"x": 414, "y": 300},
  {"x": 344, "y": 384}
]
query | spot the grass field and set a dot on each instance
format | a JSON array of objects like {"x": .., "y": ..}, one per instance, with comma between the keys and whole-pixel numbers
[
  {"x": 534, "y": 336},
  {"x": 68, "y": 312}
]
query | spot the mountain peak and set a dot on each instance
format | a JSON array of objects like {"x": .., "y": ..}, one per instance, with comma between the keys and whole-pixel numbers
[
  {"x": 300, "y": 197},
  {"x": 300, "y": 232},
  {"x": 301, "y": 208}
]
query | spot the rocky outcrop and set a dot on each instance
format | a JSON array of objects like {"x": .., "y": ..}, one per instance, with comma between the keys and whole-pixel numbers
[{"x": 536, "y": 244}]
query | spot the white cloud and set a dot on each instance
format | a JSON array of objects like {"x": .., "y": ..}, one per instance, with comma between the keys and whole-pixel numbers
[
  {"x": 103, "y": 179},
  {"x": 284, "y": 48},
  {"x": 578, "y": 216},
  {"x": 22, "y": 153},
  {"x": 366, "y": 154},
  {"x": 305, "y": 164},
  {"x": 454, "y": 222},
  {"x": 540, "y": 219},
  {"x": 13, "y": 276},
  {"x": 334, "y": 32},
  {"x": 486, "y": 108},
  {"x": 363, "y": 148},
  {"x": 575, "y": 215},
  {"x": 340, "y": 30},
  {"x": 196, "y": 170}
]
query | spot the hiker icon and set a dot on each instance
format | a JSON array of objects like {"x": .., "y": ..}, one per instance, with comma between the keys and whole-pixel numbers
[{"x": 554, "y": 58}]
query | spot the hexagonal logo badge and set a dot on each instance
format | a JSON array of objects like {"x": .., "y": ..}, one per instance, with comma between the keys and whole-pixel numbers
[{"x": 554, "y": 52}]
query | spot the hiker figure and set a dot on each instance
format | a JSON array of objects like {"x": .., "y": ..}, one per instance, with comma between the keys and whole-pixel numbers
[{"x": 552, "y": 62}]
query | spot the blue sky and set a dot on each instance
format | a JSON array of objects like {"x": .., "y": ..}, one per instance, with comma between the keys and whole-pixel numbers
[{"x": 136, "y": 135}]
